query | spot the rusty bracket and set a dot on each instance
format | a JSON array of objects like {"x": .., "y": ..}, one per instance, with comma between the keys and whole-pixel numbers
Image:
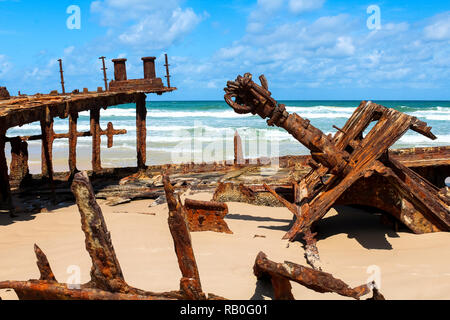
[{"x": 206, "y": 216}]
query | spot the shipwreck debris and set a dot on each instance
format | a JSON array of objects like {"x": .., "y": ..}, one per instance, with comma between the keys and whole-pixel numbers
[
  {"x": 148, "y": 83},
  {"x": 107, "y": 280},
  {"x": 280, "y": 274},
  {"x": 43, "y": 108},
  {"x": 351, "y": 167},
  {"x": 206, "y": 216},
  {"x": 61, "y": 72},
  {"x": 4, "y": 93}
]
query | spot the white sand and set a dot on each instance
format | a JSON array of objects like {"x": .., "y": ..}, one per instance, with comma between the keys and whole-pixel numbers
[{"x": 411, "y": 266}]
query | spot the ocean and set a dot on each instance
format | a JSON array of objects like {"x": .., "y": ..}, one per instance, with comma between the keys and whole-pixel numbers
[{"x": 202, "y": 131}]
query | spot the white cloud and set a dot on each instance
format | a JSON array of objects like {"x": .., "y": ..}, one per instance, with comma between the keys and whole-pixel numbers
[
  {"x": 233, "y": 52},
  {"x": 299, "y": 6},
  {"x": 344, "y": 46},
  {"x": 269, "y": 5},
  {"x": 69, "y": 50},
  {"x": 5, "y": 65},
  {"x": 153, "y": 24},
  {"x": 440, "y": 29}
]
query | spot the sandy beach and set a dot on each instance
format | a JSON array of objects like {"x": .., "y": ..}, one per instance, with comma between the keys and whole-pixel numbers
[{"x": 411, "y": 266}]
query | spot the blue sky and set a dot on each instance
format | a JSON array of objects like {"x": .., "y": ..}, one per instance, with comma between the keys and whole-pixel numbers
[{"x": 308, "y": 49}]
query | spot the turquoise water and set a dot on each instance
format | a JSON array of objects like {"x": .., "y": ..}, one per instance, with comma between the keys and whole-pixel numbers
[{"x": 203, "y": 130}]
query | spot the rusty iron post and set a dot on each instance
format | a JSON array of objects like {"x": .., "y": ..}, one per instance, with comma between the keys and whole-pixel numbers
[
  {"x": 141, "y": 131},
  {"x": 19, "y": 169},
  {"x": 47, "y": 136},
  {"x": 62, "y": 76},
  {"x": 190, "y": 282},
  {"x": 73, "y": 137},
  {"x": 105, "y": 78},
  {"x": 43, "y": 265},
  {"x": 238, "y": 155},
  {"x": 149, "y": 67},
  {"x": 96, "y": 139},
  {"x": 167, "y": 70},
  {"x": 106, "y": 272},
  {"x": 5, "y": 190},
  {"x": 120, "y": 69}
]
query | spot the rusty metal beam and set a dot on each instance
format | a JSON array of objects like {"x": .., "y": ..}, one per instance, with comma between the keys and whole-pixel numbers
[
  {"x": 106, "y": 272},
  {"x": 19, "y": 169},
  {"x": 5, "y": 191},
  {"x": 141, "y": 131},
  {"x": 167, "y": 70},
  {"x": 62, "y": 76},
  {"x": 105, "y": 78},
  {"x": 47, "y": 136},
  {"x": 43, "y": 265},
  {"x": 96, "y": 139},
  {"x": 315, "y": 280},
  {"x": 190, "y": 282},
  {"x": 73, "y": 121}
]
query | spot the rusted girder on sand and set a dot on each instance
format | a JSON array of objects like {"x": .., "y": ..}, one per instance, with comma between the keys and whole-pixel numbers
[
  {"x": 107, "y": 280},
  {"x": 280, "y": 274},
  {"x": 348, "y": 158},
  {"x": 5, "y": 191},
  {"x": 206, "y": 216},
  {"x": 19, "y": 170},
  {"x": 190, "y": 282}
]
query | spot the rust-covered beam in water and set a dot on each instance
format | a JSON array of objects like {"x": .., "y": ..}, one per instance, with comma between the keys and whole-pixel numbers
[
  {"x": 5, "y": 191},
  {"x": 141, "y": 131},
  {"x": 47, "y": 136},
  {"x": 73, "y": 137},
  {"x": 19, "y": 169},
  {"x": 96, "y": 139}
]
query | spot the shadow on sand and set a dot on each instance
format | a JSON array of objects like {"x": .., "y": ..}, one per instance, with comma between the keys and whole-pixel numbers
[
  {"x": 263, "y": 289},
  {"x": 254, "y": 218},
  {"x": 358, "y": 224},
  {"x": 27, "y": 210}
]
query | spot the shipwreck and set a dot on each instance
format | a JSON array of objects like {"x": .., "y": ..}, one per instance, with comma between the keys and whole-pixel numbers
[{"x": 353, "y": 166}]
